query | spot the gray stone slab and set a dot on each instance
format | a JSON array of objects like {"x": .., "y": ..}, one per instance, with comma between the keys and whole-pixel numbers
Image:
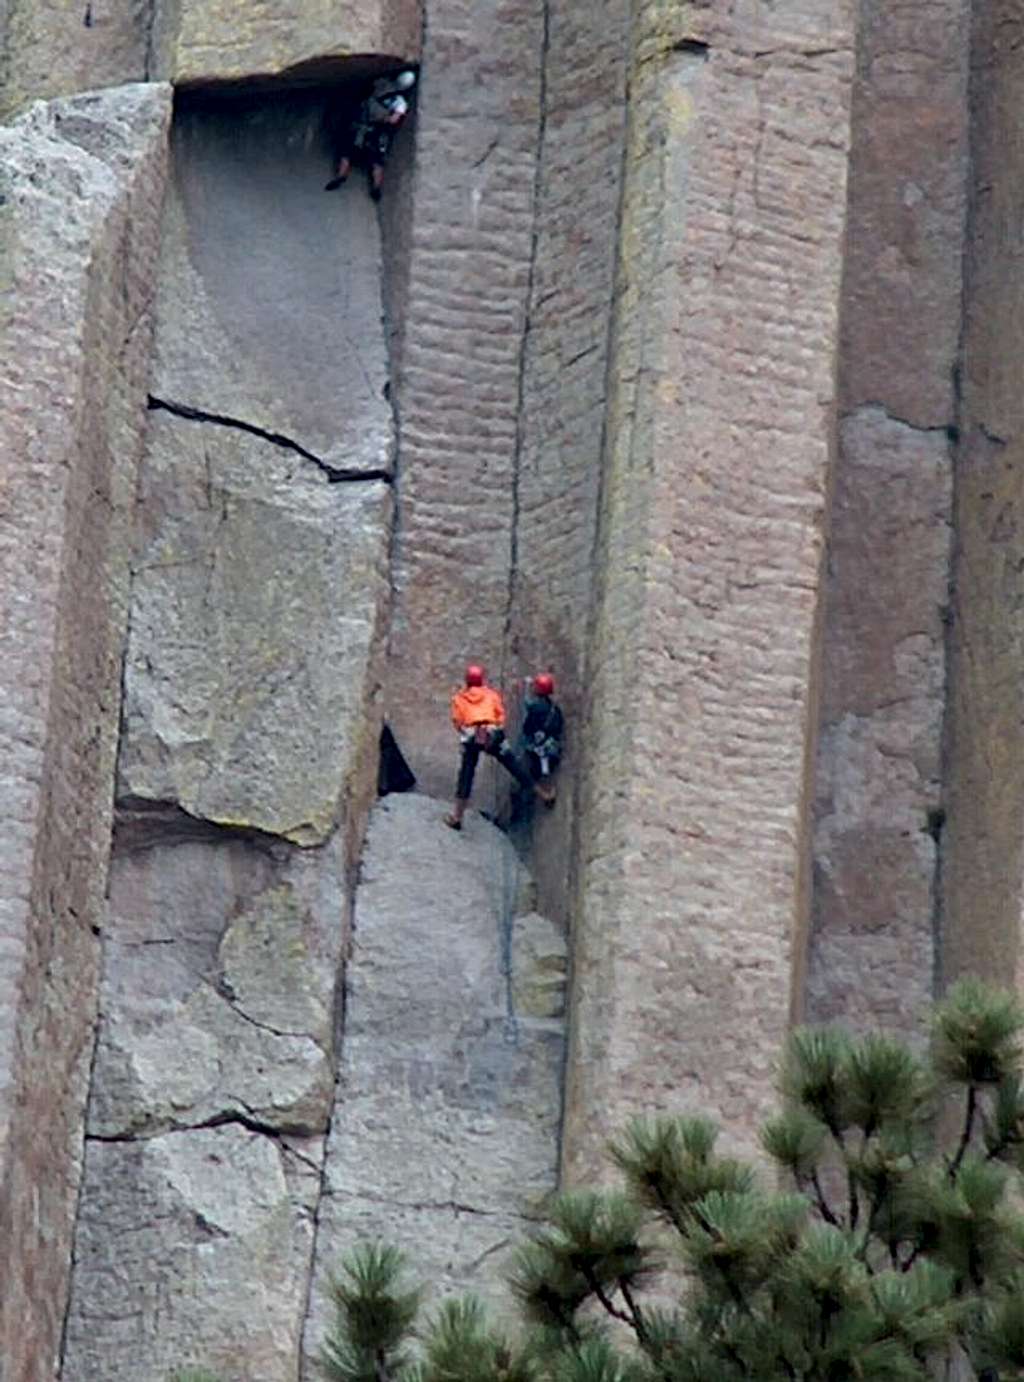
[
  {"x": 269, "y": 300},
  {"x": 193, "y": 1250},
  {"x": 449, "y": 1101},
  {"x": 258, "y": 593},
  {"x": 221, "y": 963}
]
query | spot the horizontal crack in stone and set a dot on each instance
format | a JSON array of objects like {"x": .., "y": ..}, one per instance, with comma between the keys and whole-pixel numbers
[{"x": 336, "y": 474}]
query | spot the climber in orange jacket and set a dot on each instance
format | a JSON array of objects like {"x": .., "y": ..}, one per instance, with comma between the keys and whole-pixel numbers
[{"x": 478, "y": 714}]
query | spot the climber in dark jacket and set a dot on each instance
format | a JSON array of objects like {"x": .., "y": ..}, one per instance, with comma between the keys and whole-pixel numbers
[
  {"x": 543, "y": 731},
  {"x": 372, "y": 131}
]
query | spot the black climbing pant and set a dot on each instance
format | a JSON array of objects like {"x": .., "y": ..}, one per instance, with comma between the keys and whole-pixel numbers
[{"x": 497, "y": 747}]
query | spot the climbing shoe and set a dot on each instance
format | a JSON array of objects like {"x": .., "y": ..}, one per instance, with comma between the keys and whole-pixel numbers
[
  {"x": 333, "y": 184},
  {"x": 452, "y": 822}
]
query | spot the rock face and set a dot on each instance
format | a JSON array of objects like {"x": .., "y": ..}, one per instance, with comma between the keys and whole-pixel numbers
[
  {"x": 879, "y": 770},
  {"x": 54, "y": 47},
  {"x": 693, "y": 834},
  {"x": 983, "y": 865},
  {"x": 567, "y": 399},
  {"x": 469, "y": 285},
  {"x": 80, "y": 193},
  {"x": 879, "y": 773},
  {"x": 258, "y": 592},
  {"x": 215, "y": 40},
  {"x": 229, "y": 1011},
  {"x": 247, "y": 761},
  {"x": 445, "y": 1134},
  {"x": 211, "y": 1229},
  {"x": 239, "y": 330}
]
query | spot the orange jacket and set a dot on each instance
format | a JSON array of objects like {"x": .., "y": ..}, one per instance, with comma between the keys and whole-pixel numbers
[{"x": 477, "y": 705}]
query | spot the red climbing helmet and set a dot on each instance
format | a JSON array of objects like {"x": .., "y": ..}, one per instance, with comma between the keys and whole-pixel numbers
[
  {"x": 544, "y": 684},
  {"x": 474, "y": 674}
]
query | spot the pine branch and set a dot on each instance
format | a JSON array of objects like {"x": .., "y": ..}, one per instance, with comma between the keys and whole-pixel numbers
[
  {"x": 965, "y": 1138},
  {"x": 853, "y": 1198},
  {"x": 669, "y": 1211},
  {"x": 823, "y": 1205},
  {"x": 639, "y": 1326},
  {"x": 606, "y": 1302}
]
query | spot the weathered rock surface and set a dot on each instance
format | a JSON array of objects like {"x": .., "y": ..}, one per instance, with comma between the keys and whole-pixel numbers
[
  {"x": 564, "y": 381},
  {"x": 537, "y": 966},
  {"x": 879, "y": 770},
  {"x": 471, "y": 253},
  {"x": 57, "y": 47},
  {"x": 269, "y": 299},
  {"x": 193, "y": 1249},
  {"x": 983, "y": 864},
  {"x": 216, "y": 40},
  {"x": 258, "y": 594},
  {"x": 694, "y": 827},
  {"x": 907, "y": 198},
  {"x": 81, "y": 183},
  {"x": 247, "y": 759},
  {"x": 879, "y": 764},
  {"x": 221, "y": 962},
  {"x": 446, "y": 1125}
]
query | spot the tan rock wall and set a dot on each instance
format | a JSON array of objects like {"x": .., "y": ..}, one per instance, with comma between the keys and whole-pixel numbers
[
  {"x": 983, "y": 863},
  {"x": 469, "y": 285},
  {"x": 879, "y": 774},
  {"x": 691, "y": 883},
  {"x": 82, "y": 186},
  {"x": 564, "y": 382},
  {"x": 220, "y": 40},
  {"x": 56, "y": 47}
]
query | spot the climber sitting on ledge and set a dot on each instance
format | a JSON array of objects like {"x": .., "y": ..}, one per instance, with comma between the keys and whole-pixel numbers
[
  {"x": 540, "y": 738},
  {"x": 372, "y": 131},
  {"x": 478, "y": 714}
]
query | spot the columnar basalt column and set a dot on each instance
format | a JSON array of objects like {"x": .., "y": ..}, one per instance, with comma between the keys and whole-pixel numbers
[
  {"x": 471, "y": 257},
  {"x": 983, "y": 862},
  {"x": 879, "y": 788},
  {"x": 693, "y": 836},
  {"x": 564, "y": 384},
  {"x": 82, "y": 184}
]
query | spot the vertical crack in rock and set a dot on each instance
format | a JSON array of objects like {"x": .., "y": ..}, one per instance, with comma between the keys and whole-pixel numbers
[
  {"x": 79, "y": 1193},
  {"x": 150, "y": 30},
  {"x": 509, "y": 639}
]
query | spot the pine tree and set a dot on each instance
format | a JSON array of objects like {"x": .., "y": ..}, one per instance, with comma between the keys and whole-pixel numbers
[{"x": 894, "y": 1247}]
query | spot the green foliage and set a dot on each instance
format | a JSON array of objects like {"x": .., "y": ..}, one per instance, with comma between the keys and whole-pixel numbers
[
  {"x": 670, "y": 1163},
  {"x": 462, "y": 1347},
  {"x": 374, "y": 1315},
  {"x": 896, "y": 1247},
  {"x": 977, "y": 1033}
]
